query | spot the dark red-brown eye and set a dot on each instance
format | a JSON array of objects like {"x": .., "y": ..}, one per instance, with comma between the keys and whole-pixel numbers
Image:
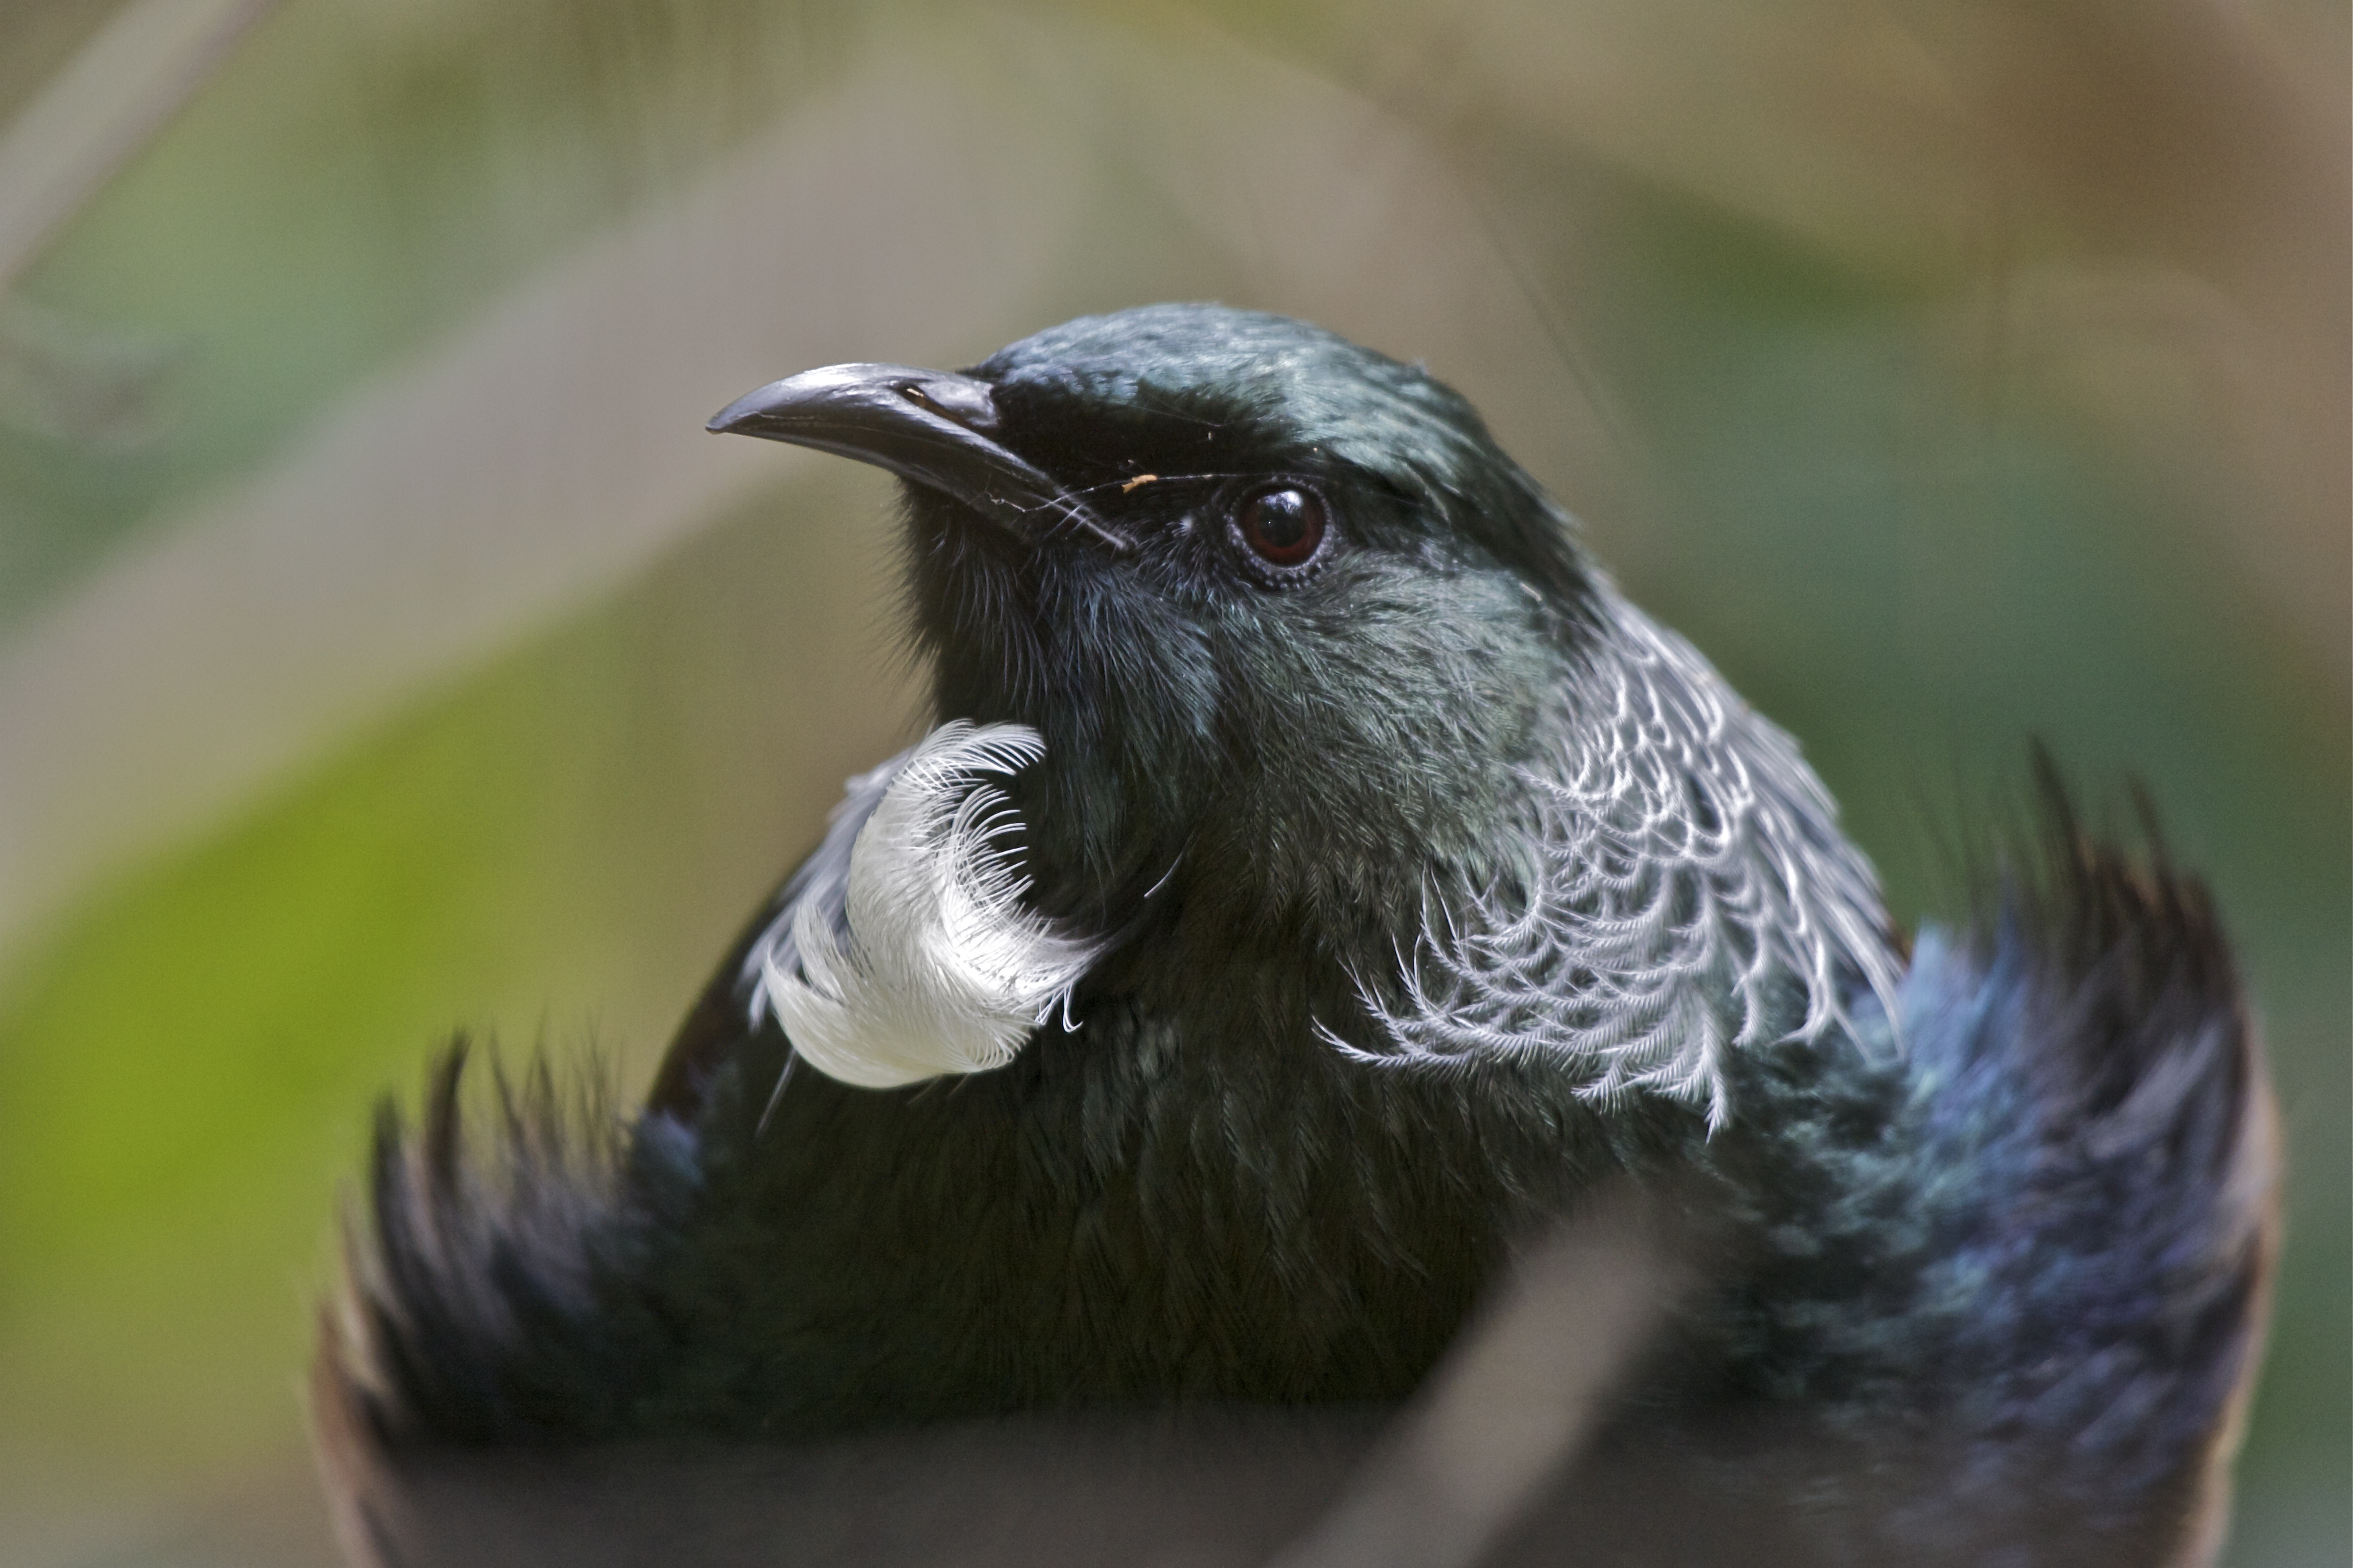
[{"x": 1283, "y": 526}]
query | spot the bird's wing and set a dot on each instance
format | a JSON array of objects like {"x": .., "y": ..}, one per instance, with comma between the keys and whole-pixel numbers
[{"x": 2040, "y": 1275}]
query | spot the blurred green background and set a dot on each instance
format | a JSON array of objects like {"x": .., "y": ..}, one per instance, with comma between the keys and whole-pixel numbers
[{"x": 384, "y": 651}]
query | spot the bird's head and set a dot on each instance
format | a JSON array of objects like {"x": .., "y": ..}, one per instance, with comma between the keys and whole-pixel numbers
[
  {"x": 1315, "y": 659},
  {"x": 1284, "y": 615}
]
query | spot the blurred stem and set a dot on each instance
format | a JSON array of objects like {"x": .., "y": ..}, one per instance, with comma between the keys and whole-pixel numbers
[{"x": 123, "y": 87}]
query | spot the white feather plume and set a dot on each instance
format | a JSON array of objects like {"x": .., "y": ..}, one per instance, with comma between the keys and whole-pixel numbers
[{"x": 940, "y": 969}]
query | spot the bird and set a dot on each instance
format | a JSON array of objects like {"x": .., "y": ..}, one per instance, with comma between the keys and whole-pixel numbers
[{"x": 1318, "y": 885}]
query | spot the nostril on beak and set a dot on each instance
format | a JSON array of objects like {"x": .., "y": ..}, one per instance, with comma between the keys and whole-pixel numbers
[{"x": 968, "y": 403}]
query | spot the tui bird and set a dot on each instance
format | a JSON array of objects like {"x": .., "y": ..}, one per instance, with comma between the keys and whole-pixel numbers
[{"x": 1320, "y": 885}]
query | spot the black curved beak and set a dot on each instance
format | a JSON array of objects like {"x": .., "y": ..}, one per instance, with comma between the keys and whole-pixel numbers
[{"x": 930, "y": 428}]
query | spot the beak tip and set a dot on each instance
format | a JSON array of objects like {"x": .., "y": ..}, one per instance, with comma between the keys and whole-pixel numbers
[{"x": 734, "y": 419}]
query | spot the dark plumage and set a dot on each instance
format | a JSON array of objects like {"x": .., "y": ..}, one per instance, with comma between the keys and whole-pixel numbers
[{"x": 1395, "y": 894}]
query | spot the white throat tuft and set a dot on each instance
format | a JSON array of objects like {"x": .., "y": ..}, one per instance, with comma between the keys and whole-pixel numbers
[{"x": 938, "y": 969}]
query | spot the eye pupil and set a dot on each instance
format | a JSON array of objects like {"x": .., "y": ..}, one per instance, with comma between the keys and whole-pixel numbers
[{"x": 1283, "y": 526}]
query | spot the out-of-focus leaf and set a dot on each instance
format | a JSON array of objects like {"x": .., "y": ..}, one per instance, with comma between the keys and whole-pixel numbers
[{"x": 62, "y": 380}]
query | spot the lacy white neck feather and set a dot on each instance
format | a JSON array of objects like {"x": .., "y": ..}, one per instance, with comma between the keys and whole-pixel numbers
[
  {"x": 939, "y": 970},
  {"x": 1684, "y": 888},
  {"x": 1686, "y": 884}
]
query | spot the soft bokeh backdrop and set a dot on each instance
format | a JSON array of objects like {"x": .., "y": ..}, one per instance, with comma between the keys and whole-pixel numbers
[{"x": 384, "y": 651}]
